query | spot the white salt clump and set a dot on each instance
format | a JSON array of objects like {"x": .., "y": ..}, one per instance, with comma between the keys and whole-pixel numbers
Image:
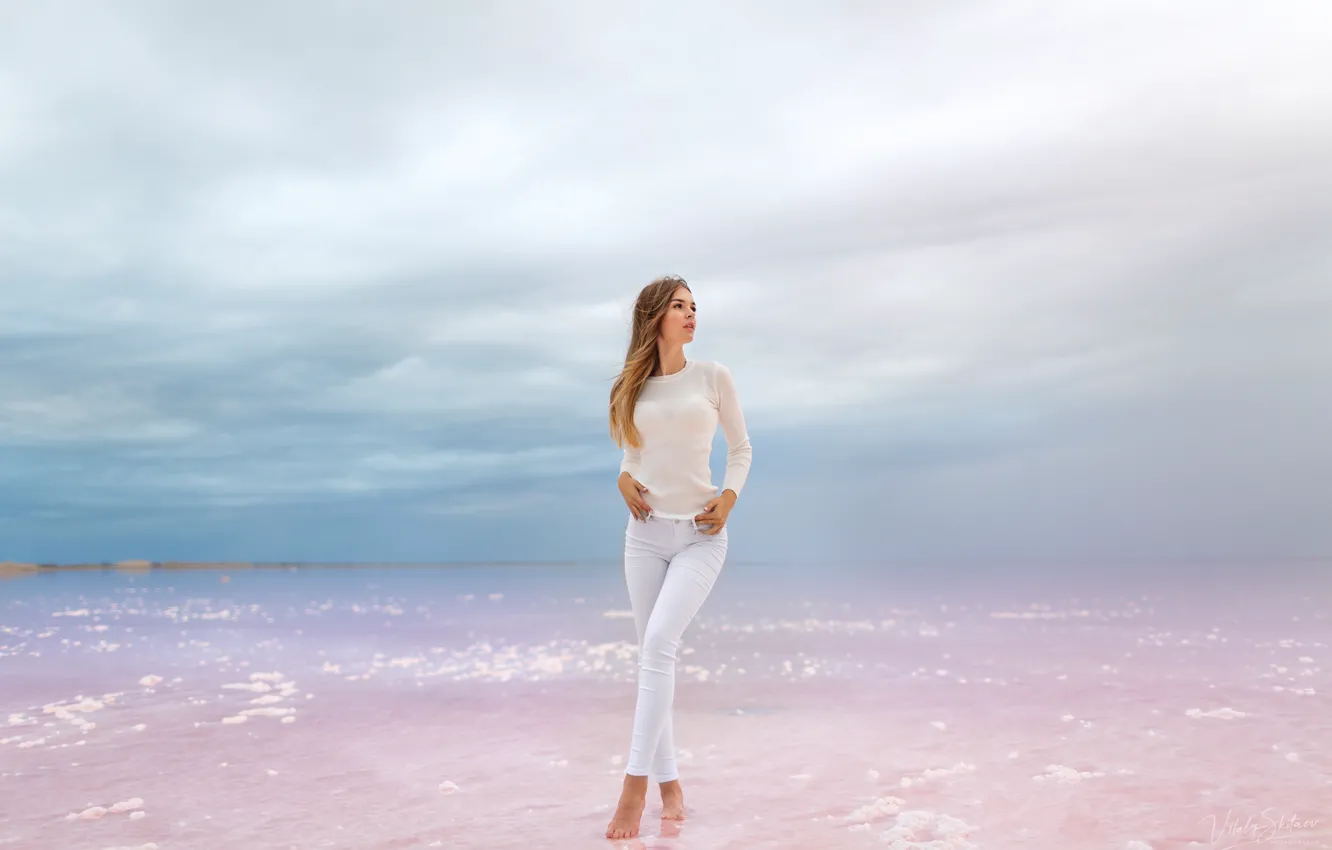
[
  {"x": 289, "y": 719},
  {"x": 239, "y": 718},
  {"x": 549, "y": 664},
  {"x": 92, "y": 813},
  {"x": 128, "y": 806},
  {"x": 917, "y": 830},
  {"x": 1226, "y": 713},
  {"x": 267, "y": 712},
  {"x": 257, "y": 687},
  {"x": 150, "y": 680},
  {"x": 937, "y": 773},
  {"x": 447, "y": 787},
  {"x": 272, "y": 772},
  {"x": 871, "y": 774},
  {"x": 938, "y": 724},
  {"x": 85, "y": 705},
  {"x": 137, "y": 815},
  {"x": 267, "y": 699},
  {"x": 1068, "y": 775},
  {"x": 139, "y": 728},
  {"x": 882, "y": 807}
]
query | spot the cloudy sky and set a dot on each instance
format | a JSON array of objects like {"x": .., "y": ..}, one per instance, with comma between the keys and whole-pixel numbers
[{"x": 999, "y": 283}]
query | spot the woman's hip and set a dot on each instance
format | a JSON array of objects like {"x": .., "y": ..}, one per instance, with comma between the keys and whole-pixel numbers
[{"x": 667, "y": 537}]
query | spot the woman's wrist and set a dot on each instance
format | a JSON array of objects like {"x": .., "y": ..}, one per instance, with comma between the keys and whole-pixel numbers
[{"x": 729, "y": 496}]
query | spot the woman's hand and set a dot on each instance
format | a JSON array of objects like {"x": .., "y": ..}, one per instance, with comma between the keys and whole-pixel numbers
[
  {"x": 716, "y": 512},
  {"x": 631, "y": 490}
]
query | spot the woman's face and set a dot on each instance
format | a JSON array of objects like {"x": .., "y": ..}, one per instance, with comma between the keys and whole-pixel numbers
[{"x": 678, "y": 323}]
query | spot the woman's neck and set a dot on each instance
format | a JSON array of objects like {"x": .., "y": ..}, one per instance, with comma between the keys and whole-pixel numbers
[{"x": 670, "y": 363}]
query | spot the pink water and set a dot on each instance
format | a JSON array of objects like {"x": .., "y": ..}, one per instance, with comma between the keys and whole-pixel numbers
[{"x": 816, "y": 708}]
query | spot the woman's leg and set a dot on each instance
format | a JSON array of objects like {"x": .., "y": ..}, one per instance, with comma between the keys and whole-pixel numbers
[
  {"x": 645, "y": 563},
  {"x": 689, "y": 579}
]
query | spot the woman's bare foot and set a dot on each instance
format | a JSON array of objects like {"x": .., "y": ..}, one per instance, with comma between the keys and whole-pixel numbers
[
  {"x": 629, "y": 811},
  {"x": 672, "y": 800}
]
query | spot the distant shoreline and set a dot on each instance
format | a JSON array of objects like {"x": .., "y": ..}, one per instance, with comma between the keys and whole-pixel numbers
[{"x": 13, "y": 568}]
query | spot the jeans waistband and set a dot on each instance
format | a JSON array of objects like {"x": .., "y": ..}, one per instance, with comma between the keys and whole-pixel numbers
[{"x": 693, "y": 523}]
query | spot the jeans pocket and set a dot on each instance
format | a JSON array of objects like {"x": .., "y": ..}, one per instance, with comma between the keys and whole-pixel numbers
[{"x": 640, "y": 528}]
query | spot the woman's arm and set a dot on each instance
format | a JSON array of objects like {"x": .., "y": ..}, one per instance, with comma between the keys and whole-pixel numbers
[{"x": 739, "y": 454}]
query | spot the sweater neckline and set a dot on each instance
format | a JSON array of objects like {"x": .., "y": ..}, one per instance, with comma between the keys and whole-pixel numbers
[{"x": 689, "y": 364}]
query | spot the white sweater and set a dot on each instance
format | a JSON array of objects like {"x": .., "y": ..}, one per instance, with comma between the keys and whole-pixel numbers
[{"x": 677, "y": 418}]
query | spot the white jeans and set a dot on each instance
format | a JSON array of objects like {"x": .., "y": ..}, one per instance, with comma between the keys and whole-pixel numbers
[{"x": 670, "y": 567}]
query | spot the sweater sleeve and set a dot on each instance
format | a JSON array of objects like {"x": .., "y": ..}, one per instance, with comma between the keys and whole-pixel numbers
[
  {"x": 633, "y": 461},
  {"x": 738, "y": 451}
]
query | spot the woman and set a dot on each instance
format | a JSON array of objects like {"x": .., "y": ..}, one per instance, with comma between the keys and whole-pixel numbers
[{"x": 664, "y": 412}]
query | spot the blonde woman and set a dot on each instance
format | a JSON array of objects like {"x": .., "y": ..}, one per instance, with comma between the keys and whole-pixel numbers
[{"x": 664, "y": 412}]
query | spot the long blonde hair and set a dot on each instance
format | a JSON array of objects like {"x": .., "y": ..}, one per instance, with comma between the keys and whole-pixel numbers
[{"x": 642, "y": 358}]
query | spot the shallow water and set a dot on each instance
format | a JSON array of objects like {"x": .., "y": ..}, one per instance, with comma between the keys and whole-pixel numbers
[{"x": 385, "y": 708}]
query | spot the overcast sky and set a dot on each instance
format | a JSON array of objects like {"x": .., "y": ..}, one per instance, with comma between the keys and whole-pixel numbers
[{"x": 999, "y": 283}]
